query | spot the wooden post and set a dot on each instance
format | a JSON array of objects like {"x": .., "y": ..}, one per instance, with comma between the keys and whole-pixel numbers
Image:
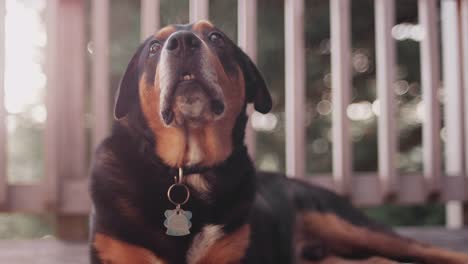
[
  {"x": 52, "y": 123},
  {"x": 247, "y": 39},
  {"x": 199, "y": 9},
  {"x": 341, "y": 93},
  {"x": 100, "y": 71},
  {"x": 430, "y": 82},
  {"x": 3, "y": 131},
  {"x": 385, "y": 60},
  {"x": 454, "y": 147},
  {"x": 295, "y": 87},
  {"x": 149, "y": 17},
  {"x": 70, "y": 94},
  {"x": 464, "y": 36},
  {"x": 72, "y": 227}
]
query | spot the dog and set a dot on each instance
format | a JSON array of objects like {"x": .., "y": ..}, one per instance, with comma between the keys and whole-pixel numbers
[{"x": 174, "y": 184}]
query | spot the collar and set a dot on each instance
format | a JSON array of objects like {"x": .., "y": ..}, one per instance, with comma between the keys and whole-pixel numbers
[{"x": 187, "y": 170}]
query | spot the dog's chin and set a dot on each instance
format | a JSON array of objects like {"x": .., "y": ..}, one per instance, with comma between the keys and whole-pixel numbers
[
  {"x": 189, "y": 118},
  {"x": 193, "y": 107}
]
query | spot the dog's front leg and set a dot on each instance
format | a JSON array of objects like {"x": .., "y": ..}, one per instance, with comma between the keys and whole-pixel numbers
[{"x": 108, "y": 250}]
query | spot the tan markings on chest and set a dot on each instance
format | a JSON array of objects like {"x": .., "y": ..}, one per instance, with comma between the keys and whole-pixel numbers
[
  {"x": 199, "y": 183},
  {"x": 203, "y": 241},
  {"x": 229, "y": 249},
  {"x": 114, "y": 251},
  {"x": 194, "y": 153}
]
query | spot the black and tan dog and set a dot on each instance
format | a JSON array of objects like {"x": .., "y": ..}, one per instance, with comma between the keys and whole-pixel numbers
[{"x": 181, "y": 104}]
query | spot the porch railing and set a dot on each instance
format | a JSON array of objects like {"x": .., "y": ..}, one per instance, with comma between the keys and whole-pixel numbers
[{"x": 64, "y": 188}]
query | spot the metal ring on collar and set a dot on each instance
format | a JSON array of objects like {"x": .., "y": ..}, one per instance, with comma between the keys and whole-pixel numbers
[{"x": 186, "y": 190}]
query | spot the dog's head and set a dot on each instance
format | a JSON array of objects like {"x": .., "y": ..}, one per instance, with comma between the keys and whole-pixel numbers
[{"x": 191, "y": 82}]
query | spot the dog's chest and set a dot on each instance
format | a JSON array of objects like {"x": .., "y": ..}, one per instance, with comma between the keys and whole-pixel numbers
[
  {"x": 203, "y": 242},
  {"x": 194, "y": 152},
  {"x": 200, "y": 184}
]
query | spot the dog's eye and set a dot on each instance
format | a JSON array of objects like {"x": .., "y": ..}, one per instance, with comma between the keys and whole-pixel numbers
[
  {"x": 216, "y": 38},
  {"x": 154, "y": 48}
]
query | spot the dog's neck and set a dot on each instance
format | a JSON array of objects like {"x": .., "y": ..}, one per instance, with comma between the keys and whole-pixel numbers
[
  {"x": 186, "y": 147},
  {"x": 232, "y": 185},
  {"x": 145, "y": 143}
]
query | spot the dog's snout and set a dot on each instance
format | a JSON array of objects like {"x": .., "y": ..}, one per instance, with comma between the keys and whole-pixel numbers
[
  {"x": 182, "y": 40},
  {"x": 190, "y": 91}
]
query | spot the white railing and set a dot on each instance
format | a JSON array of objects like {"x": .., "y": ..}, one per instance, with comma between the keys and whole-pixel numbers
[
  {"x": 64, "y": 188},
  {"x": 3, "y": 176}
]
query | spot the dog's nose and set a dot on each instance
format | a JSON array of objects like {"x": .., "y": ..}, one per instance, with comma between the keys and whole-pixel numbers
[{"x": 183, "y": 40}]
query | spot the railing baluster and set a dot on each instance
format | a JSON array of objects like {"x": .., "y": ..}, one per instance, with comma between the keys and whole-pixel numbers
[
  {"x": 341, "y": 90},
  {"x": 453, "y": 104},
  {"x": 295, "y": 87},
  {"x": 75, "y": 84},
  {"x": 430, "y": 81},
  {"x": 3, "y": 150},
  {"x": 199, "y": 9},
  {"x": 100, "y": 66},
  {"x": 247, "y": 39},
  {"x": 71, "y": 95},
  {"x": 150, "y": 17},
  {"x": 387, "y": 134},
  {"x": 51, "y": 143},
  {"x": 464, "y": 35}
]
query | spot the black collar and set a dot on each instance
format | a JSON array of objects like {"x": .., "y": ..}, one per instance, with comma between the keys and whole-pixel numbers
[{"x": 187, "y": 170}]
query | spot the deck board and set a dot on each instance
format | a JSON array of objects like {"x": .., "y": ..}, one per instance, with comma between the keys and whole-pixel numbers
[
  {"x": 439, "y": 236},
  {"x": 51, "y": 251},
  {"x": 42, "y": 251}
]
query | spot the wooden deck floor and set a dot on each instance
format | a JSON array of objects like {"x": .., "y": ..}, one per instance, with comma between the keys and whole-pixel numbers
[
  {"x": 51, "y": 251},
  {"x": 42, "y": 251}
]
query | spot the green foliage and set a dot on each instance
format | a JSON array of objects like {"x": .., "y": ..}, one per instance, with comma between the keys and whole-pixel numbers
[
  {"x": 430, "y": 214},
  {"x": 13, "y": 226}
]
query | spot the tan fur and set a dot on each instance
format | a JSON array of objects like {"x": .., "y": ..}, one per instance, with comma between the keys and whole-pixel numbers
[
  {"x": 113, "y": 251},
  {"x": 199, "y": 183},
  {"x": 194, "y": 152},
  {"x": 165, "y": 32},
  {"x": 203, "y": 241},
  {"x": 202, "y": 25},
  {"x": 344, "y": 238},
  {"x": 229, "y": 249},
  {"x": 170, "y": 140}
]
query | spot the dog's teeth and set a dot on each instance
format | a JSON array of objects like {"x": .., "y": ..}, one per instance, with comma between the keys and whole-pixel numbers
[{"x": 188, "y": 77}]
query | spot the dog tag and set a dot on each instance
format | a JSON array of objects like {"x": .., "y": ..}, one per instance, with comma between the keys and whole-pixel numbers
[{"x": 177, "y": 222}]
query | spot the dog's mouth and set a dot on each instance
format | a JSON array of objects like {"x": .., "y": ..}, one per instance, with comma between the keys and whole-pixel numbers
[{"x": 191, "y": 101}]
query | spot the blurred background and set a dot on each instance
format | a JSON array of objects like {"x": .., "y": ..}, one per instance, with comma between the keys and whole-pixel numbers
[{"x": 26, "y": 86}]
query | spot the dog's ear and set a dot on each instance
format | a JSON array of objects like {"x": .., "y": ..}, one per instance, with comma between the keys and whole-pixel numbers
[
  {"x": 127, "y": 93},
  {"x": 255, "y": 86}
]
